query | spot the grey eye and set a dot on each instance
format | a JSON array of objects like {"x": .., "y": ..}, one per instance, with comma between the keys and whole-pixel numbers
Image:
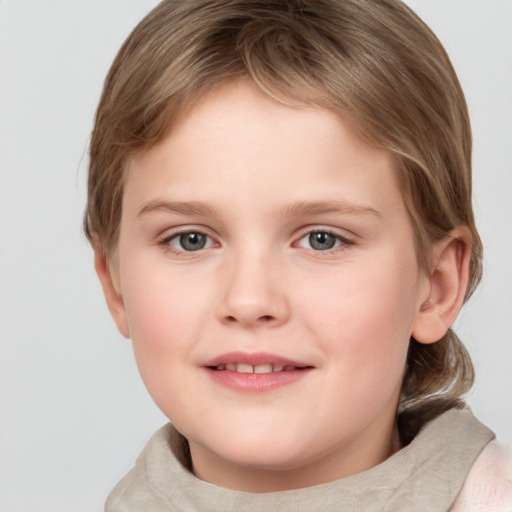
[
  {"x": 192, "y": 241},
  {"x": 320, "y": 241}
]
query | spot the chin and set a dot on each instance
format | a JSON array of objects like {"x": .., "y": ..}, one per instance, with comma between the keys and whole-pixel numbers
[{"x": 269, "y": 452}]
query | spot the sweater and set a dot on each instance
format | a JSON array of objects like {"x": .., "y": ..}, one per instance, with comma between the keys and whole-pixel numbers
[{"x": 427, "y": 475}]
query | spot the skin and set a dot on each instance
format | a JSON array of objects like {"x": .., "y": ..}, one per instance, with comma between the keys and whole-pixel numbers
[{"x": 266, "y": 177}]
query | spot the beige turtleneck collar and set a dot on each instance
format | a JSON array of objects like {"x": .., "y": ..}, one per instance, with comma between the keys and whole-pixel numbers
[{"x": 425, "y": 476}]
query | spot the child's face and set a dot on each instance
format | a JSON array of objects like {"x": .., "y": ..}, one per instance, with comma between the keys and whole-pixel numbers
[{"x": 259, "y": 234}]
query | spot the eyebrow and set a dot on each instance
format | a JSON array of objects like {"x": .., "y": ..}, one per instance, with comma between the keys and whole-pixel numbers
[
  {"x": 298, "y": 209},
  {"x": 304, "y": 208},
  {"x": 184, "y": 208}
]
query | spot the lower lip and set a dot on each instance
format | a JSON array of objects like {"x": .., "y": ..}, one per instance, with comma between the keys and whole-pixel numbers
[{"x": 256, "y": 382}]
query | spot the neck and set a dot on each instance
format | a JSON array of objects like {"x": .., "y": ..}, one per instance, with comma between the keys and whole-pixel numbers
[{"x": 358, "y": 456}]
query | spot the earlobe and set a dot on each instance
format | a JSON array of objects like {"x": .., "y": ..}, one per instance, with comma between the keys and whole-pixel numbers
[
  {"x": 448, "y": 283},
  {"x": 112, "y": 294}
]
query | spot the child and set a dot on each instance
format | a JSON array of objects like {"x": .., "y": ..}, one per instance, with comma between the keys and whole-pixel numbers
[{"x": 280, "y": 209}]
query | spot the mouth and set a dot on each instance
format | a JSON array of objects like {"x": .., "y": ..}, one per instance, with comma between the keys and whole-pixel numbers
[
  {"x": 255, "y": 372},
  {"x": 258, "y": 368}
]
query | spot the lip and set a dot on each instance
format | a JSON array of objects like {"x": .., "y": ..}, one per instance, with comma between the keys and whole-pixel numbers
[
  {"x": 253, "y": 359},
  {"x": 255, "y": 382}
]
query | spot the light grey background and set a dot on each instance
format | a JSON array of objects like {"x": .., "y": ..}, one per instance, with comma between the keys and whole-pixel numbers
[{"x": 73, "y": 412}]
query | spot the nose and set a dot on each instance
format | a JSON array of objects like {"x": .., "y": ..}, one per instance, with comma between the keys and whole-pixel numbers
[{"x": 254, "y": 292}]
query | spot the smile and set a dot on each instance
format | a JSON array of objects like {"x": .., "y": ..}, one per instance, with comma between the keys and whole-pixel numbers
[
  {"x": 259, "y": 368},
  {"x": 255, "y": 373}
]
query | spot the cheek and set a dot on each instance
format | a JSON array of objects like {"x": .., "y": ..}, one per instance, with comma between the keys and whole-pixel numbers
[
  {"x": 163, "y": 327},
  {"x": 164, "y": 315},
  {"x": 364, "y": 318}
]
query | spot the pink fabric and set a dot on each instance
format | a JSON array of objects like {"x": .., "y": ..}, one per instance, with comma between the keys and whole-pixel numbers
[{"x": 488, "y": 487}]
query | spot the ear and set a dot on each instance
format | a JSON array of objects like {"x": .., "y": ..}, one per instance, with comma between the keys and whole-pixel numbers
[
  {"x": 448, "y": 283},
  {"x": 111, "y": 291}
]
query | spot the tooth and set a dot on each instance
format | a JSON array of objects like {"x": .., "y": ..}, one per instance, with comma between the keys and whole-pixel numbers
[
  {"x": 263, "y": 368},
  {"x": 221, "y": 367},
  {"x": 231, "y": 367},
  {"x": 278, "y": 368},
  {"x": 244, "y": 368},
  {"x": 289, "y": 368}
]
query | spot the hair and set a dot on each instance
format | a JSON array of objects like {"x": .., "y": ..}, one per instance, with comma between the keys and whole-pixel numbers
[{"x": 374, "y": 62}]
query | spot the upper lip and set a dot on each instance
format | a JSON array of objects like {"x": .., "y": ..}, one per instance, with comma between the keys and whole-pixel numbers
[{"x": 253, "y": 359}]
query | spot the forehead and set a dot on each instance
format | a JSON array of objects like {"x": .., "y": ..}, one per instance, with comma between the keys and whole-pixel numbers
[{"x": 239, "y": 143}]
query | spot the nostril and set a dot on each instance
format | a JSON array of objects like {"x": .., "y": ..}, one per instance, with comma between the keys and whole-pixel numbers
[{"x": 263, "y": 319}]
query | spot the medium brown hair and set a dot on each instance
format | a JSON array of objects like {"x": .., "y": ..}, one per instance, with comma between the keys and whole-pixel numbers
[{"x": 374, "y": 62}]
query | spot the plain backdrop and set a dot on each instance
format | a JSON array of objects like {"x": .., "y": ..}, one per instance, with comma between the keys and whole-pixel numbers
[{"x": 73, "y": 411}]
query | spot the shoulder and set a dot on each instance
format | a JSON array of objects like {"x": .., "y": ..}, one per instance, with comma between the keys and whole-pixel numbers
[{"x": 489, "y": 483}]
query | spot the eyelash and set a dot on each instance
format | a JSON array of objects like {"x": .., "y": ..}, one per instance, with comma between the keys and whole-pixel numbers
[
  {"x": 341, "y": 242},
  {"x": 166, "y": 241}
]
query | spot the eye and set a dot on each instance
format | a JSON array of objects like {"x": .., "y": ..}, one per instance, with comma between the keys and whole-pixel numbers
[
  {"x": 188, "y": 241},
  {"x": 322, "y": 241}
]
